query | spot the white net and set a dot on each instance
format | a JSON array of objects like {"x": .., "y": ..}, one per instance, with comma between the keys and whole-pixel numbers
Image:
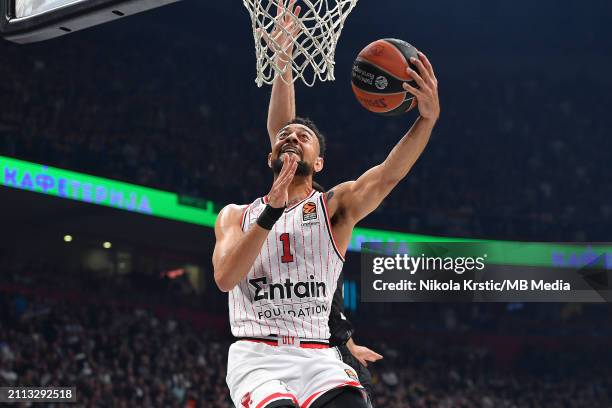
[{"x": 308, "y": 30}]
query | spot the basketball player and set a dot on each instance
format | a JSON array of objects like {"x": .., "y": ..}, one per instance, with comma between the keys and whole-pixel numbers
[{"x": 280, "y": 257}]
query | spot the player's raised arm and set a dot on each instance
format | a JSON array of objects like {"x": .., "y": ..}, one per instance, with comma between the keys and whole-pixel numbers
[
  {"x": 361, "y": 197},
  {"x": 235, "y": 250},
  {"x": 282, "y": 99}
]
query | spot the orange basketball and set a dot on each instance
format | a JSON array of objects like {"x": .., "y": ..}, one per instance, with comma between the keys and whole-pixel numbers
[{"x": 378, "y": 74}]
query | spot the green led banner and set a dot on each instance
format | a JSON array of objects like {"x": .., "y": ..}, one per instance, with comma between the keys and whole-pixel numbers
[
  {"x": 71, "y": 185},
  {"x": 96, "y": 190}
]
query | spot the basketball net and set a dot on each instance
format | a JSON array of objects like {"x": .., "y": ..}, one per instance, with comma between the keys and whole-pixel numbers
[{"x": 319, "y": 26}]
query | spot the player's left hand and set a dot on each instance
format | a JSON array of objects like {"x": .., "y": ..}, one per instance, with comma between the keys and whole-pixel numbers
[
  {"x": 364, "y": 354},
  {"x": 427, "y": 92},
  {"x": 286, "y": 30}
]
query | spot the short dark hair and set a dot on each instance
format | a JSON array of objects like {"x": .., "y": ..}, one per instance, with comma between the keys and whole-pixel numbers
[{"x": 311, "y": 125}]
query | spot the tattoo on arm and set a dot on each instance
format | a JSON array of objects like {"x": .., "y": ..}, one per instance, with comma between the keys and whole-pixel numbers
[{"x": 330, "y": 194}]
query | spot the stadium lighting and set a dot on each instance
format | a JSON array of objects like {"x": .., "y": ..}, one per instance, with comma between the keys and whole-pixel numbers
[
  {"x": 67, "y": 238},
  {"x": 107, "y": 245}
]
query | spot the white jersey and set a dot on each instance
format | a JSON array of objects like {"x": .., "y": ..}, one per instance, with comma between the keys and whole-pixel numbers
[{"x": 289, "y": 289}]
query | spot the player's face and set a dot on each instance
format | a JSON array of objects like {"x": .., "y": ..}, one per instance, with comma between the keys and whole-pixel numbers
[{"x": 300, "y": 141}]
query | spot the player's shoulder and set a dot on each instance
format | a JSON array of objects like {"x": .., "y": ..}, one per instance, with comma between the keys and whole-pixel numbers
[
  {"x": 335, "y": 196},
  {"x": 234, "y": 208},
  {"x": 338, "y": 192},
  {"x": 341, "y": 188},
  {"x": 231, "y": 214}
]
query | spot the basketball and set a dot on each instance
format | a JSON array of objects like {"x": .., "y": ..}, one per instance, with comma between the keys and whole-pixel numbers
[{"x": 378, "y": 74}]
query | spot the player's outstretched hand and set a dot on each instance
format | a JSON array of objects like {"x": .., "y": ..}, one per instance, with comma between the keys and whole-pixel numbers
[
  {"x": 427, "y": 92},
  {"x": 279, "y": 194},
  {"x": 364, "y": 354},
  {"x": 286, "y": 28}
]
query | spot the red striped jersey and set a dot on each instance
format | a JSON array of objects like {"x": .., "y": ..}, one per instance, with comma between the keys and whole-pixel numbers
[{"x": 289, "y": 289}]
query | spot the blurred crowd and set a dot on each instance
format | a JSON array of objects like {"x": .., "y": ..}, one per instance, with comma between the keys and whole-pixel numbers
[
  {"x": 125, "y": 357},
  {"x": 115, "y": 357},
  {"x": 153, "y": 342},
  {"x": 516, "y": 155},
  {"x": 433, "y": 374}
]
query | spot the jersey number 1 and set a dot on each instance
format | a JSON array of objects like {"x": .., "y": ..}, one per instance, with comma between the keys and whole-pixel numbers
[{"x": 287, "y": 257}]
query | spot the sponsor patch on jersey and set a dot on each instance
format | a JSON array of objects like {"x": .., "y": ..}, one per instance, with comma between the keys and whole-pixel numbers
[
  {"x": 309, "y": 212},
  {"x": 351, "y": 374}
]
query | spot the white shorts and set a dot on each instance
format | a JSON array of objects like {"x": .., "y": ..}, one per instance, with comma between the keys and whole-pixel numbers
[{"x": 262, "y": 376}]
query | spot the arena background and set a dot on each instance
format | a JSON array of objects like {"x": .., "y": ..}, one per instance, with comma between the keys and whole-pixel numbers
[{"x": 167, "y": 100}]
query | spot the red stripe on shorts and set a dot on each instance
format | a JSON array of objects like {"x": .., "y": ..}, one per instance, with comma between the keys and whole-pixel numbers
[
  {"x": 275, "y": 396},
  {"x": 311, "y": 399}
]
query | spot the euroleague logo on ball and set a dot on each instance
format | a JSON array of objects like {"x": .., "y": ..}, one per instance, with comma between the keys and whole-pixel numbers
[{"x": 381, "y": 82}]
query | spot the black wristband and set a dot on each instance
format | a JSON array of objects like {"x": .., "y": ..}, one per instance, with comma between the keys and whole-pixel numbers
[{"x": 269, "y": 216}]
